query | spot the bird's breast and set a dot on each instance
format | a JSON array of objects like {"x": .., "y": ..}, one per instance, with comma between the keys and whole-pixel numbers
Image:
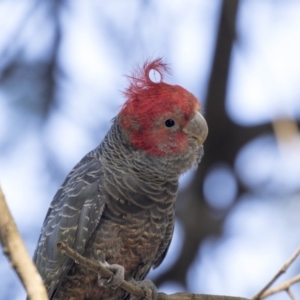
[
  {"x": 131, "y": 240},
  {"x": 129, "y": 233}
]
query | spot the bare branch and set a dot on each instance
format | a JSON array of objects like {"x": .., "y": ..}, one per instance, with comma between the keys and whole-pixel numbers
[
  {"x": 263, "y": 293},
  {"x": 14, "y": 249},
  {"x": 131, "y": 288},
  {"x": 289, "y": 292},
  {"x": 281, "y": 287}
]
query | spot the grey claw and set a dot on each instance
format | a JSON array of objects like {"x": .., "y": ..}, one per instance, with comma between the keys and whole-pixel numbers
[
  {"x": 115, "y": 280},
  {"x": 149, "y": 287}
]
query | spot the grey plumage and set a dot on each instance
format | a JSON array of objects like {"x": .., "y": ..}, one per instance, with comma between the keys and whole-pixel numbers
[{"x": 116, "y": 205}]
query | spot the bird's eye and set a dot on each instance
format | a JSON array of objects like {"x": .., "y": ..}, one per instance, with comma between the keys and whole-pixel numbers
[{"x": 170, "y": 123}]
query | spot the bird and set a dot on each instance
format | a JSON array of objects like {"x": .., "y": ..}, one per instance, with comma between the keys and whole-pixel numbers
[{"x": 117, "y": 205}]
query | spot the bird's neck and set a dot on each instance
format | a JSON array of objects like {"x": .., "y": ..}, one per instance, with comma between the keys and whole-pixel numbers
[{"x": 117, "y": 152}]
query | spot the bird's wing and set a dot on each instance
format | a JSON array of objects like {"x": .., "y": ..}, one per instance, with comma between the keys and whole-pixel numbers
[
  {"x": 165, "y": 244},
  {"x": 72, "y": 217}
]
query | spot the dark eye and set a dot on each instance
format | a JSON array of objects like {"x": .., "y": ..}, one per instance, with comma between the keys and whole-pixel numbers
[{"x": 170, "y": 123}]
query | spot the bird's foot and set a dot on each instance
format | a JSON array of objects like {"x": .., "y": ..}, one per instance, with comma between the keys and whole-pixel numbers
[
  {"x": 115, "y": 280},
  {"x": 149, "y": 288}
]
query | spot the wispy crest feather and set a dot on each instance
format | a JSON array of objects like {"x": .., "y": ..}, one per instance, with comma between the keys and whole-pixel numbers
[{"x": 140, "y": 79}]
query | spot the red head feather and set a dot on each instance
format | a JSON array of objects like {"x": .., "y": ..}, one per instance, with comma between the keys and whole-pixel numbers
[{"x": 148, "y": 102}]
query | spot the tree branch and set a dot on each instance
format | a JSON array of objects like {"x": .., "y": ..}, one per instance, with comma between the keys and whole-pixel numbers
[
  {"x": 290, "y": 294},
  {"x": 129, "y": 287},
  {"x": 281, "y": 287},
  {"x": 263, "y": 293},
  {"x": 14, "y": 249}
]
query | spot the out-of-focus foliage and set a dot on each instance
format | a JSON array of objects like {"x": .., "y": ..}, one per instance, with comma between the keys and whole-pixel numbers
[{"x": 61, "y": 79}]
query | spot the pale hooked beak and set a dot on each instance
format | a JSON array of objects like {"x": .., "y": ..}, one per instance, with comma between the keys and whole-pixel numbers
[{"x": 197, "y": 128}]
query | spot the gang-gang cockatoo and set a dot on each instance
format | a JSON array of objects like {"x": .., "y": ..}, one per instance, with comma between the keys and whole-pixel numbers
[{"x": 116, "y": 206}]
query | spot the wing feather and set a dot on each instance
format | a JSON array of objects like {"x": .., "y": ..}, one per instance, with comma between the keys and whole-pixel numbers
[
  {"x": 165, "y": 244},
  {"x": 72, "y": 217}
]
